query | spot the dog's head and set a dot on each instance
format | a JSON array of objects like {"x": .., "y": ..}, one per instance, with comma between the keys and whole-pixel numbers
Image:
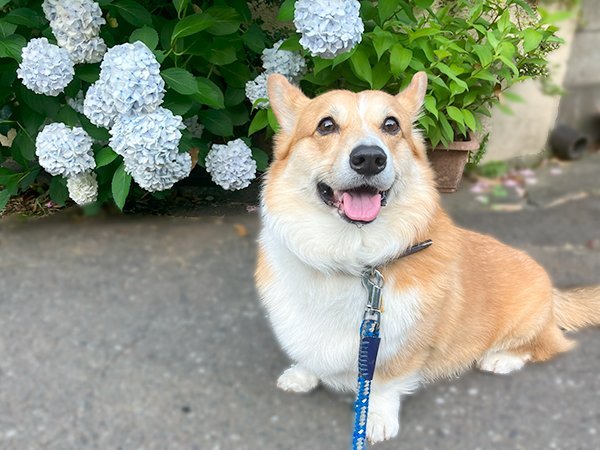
[{"x": 350, "y": 184}]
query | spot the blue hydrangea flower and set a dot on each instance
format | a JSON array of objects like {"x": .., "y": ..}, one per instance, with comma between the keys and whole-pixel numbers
[
  {"x": 328, "y": 27},
  {"x": 83, "y": 188},
  {"x": 64, "y": 151},
  {"x": 76, "y": 26},
  {"x": 149, "y": 144},
  {"x": 45, "y": 68},
  {"x": 290, "y": 64},
  {"x": 231, "y": 165},
  {"x": 130, "y": 83},
  {"x": 256, "y": 89}
]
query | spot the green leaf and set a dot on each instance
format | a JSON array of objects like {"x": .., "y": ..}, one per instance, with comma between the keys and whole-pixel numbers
[
  {"x": 422, "y": 32},
  {"x": 133, "y": 12},
  {"x": 100, "y": 134},
  {"x": 292, "y": 44},
  {"x": 226, "y": 20},
  {"x": 177, "y": 103},
  {"x": 455, "y": 114},
  {"x": 104, "y": 156},
  {"x": 180, "y": 6},
  {"x": 191, "y": 25},
  {"x": 12, "y": 46},
  {"x": 254, "y": 38},
  {"x": 451, "y": 74},
  {"x": 381, "y": 74},
  {"x": 286, "y": 11},
  {"x": 382, "y": 41},
  {"x": 361, "y": 66},
  {"x": 3, "y": 3},
  {"x": 504, "y": 22},
  {"x": 217, "y": 122},
  {"x": 386, "y": 8},
  {"x": 469, "y": 119},
  {"x": 147, "y": 35},
  {"x": 261, "y": 158},
  {"x": 431, "y": 105},
  {"x": 208, "y": 93},
  {"x": 6, "y": 29},
  {"x": 511, "y": 96},
  {"x": 121, "y": 183},
  {"x": 484, "y": 54},
  {"x": 5, "y": 196},
  {"x": 24, "y": 17},
  {"x": 58, "y": 190},
  {"x": 510, "y": 64},
  {"x": 320, "y": 64},
  {"x": 400, "y": 58},
  {"x": 531, "y": 39},
  {"x": 259, "y": 122},
  {"x": 273, "y": 123},
  {"x": 180, "y": 80},
  {"x": 88, "y": 72},
  {"x": 447, "y": 131}
]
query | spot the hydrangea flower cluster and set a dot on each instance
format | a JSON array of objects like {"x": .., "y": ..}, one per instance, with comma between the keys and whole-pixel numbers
[
  {"x": 76, "y": 26},
  {"x": 285, "y": 62},
  {"x": 231, "y": 165},
  {"x": 149, "y": 146},
  {"x": 194, "y": 127},
  {"x": 45, "y": 68},
  {"x": 64, "y": 151},
  {"x": 289, "y": 64},
  {"x": 328, "y": 27},
  {"x": 256, "y": 89},
  {"x": 77, "y": 102},
  {"x": 130, "y": 83},
  {"x": 83, "y": 188}
]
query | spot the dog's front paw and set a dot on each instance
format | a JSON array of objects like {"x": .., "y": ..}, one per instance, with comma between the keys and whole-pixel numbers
[
  {"x": 297, "y": 379},
  {"x": 381, "y": 427}
]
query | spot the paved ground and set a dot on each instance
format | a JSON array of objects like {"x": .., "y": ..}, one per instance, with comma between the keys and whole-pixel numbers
[{"x": 145, "y": 333}]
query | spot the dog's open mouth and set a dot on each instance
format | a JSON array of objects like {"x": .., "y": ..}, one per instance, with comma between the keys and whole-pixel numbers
[{"x": 360, "y": 204}]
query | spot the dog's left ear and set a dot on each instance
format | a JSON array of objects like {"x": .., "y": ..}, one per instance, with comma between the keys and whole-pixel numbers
[
  {"x": 286, "y": 100},
  {"x": 413, "y": 96}
]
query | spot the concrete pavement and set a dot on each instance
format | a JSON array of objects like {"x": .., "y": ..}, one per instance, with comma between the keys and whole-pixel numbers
[{"x": 145, "y": 333}]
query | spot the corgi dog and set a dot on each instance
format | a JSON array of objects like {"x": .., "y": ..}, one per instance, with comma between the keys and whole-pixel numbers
[{"x": 350, "y": 189}]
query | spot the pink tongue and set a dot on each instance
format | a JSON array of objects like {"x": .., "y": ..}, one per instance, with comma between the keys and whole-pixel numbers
[{"x": 361, "y": 205}]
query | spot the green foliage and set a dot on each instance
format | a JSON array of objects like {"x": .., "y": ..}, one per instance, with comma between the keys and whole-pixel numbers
[{"x": 471, "y": 50}]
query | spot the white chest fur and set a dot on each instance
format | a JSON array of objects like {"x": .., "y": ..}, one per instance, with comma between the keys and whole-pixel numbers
[{"x": 316, "y": 316}]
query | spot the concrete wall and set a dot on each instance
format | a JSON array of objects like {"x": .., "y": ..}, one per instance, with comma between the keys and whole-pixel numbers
[
  {"x": 525, "y": 132},
  {"x": 580, "y": 106}
]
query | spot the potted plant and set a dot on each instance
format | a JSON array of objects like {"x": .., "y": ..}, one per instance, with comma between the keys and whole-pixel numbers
[{"x": 472, "y": 51}]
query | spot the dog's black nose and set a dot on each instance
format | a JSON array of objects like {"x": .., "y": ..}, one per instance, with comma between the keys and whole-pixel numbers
[{"x": 368, "y": 160}]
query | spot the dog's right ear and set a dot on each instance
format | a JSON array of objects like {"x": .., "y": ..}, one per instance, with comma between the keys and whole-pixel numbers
[{"x": 286, "y": 101}]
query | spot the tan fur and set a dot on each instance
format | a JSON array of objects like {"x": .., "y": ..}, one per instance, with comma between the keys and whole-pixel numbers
[{"x": 478, "y": 294}]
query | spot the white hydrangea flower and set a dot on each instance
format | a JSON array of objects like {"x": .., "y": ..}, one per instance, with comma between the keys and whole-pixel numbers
[
  {"x": 76, "y": 26},
  {"x": 328, "y": 27},
  {"x": 77, "y": 102},
  {"x": 45, "y": 68},
  {"x": 256, "y": 89},
  {"x": 193, "y": 126},
  {"x": 83, "y": 188},
  {"x": 161, "y": 171},
  {"x": 130, "y": 83},
  {"x": 231, "y": 165},
  {"x": 290, "y": 64},
  {"x": 149, "y": 144},
  {"x": 64, "y": 151}
]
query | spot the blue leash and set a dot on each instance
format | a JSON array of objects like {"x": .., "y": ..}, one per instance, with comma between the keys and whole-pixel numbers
[
  {"x": 367, "y": 356},
  {"x": 369, "y": 346}
]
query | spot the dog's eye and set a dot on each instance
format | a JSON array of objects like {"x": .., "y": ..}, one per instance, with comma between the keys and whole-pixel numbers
[
  {"x": 390, "y": 125},
  {"x": 327, "y": 126}
]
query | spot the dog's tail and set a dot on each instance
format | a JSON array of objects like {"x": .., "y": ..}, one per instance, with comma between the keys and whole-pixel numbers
[{"x": 577, "y": 308}]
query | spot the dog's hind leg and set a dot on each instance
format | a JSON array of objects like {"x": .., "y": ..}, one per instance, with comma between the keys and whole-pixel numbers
[
  {"x": 502, "y": 362},
  {"x": 297, "y": 379}
]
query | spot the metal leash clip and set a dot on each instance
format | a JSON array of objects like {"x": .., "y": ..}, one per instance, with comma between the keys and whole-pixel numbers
[{"x": 373, "y": 282}]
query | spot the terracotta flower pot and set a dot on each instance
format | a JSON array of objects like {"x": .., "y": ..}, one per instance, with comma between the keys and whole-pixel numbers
[{"x": 449, "y": 162}]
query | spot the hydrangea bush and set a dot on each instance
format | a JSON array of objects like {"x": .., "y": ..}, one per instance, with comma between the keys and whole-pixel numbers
[{"x": 111, "y": 99}]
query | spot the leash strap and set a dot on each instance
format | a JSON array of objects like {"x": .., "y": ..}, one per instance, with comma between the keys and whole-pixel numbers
[{"x": 369, "y": 347}]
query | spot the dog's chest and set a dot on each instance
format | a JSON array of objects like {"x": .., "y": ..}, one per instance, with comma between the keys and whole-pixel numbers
[{"x": 317, "y": 318}]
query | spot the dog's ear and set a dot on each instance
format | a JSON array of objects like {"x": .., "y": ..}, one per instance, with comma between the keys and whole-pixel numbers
[
  {"x": 413, "y": 96},
  {"x": 286, "y": 101}
]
